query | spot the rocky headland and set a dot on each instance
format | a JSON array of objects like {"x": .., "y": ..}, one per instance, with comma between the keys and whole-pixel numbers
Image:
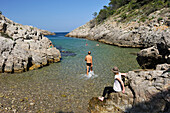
[
  {"x": 129, "y": 34},
  {"x": 24, "y": 47},
  {"x": 152, "y": 33},
  {"x": 45, "y": 32},
  {"x": 147, "y": 91}
]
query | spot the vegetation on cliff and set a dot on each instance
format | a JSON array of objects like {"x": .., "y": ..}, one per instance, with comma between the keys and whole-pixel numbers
[{"x": 131, "y": 9}]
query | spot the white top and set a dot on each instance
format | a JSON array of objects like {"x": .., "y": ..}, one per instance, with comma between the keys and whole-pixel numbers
[{"x": 117, "y": 84}]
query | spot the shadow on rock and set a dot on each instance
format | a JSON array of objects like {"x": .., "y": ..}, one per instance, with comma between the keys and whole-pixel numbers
[{"x": 160, "y": 103}]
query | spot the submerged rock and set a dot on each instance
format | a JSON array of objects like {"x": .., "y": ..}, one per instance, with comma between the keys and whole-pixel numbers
[{"x": 68, "y": 53}]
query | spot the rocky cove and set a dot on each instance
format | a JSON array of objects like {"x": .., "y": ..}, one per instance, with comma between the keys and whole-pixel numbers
[
  {"x": 147, "y": 91},
  {"x": 24, "y": 47},
  {"x": 151, "y": 34},
  {"x": 63, "y": 86}
]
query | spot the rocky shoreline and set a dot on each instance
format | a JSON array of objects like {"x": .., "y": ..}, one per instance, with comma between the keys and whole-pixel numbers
[
  {"x": 146, "y": 90},
  {"x": 131, "y": 34},
  {"x": 24, "y": 48},
  {"x": 153, "y": 34}
]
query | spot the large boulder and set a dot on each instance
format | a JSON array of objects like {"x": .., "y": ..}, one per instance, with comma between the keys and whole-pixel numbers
[
  {"x": 146, "y": 92},
  {"x": 2, "y": 60},
  {"x": 158, "y": 54},
  {"x": 23, "y": 47},
  {"x": 149, "y": 58}
]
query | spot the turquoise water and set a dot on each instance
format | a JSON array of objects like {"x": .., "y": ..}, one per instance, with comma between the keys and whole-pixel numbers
[
  {"x": 63, "y": 86},
  {"x": 104, "y": 56}
]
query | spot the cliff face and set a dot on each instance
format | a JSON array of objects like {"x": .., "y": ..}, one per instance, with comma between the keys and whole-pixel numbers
[
  {"x": 154, "y": 32},
  {"x": 23, "y": 47},
  {"x": 131, "y": 34}
]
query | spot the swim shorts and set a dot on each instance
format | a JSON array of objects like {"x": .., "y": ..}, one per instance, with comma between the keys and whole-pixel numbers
[{"x": 88, "y": 64}]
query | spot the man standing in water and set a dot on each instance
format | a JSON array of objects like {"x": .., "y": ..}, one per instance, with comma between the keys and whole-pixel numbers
[{"x": 89, "y": 62}]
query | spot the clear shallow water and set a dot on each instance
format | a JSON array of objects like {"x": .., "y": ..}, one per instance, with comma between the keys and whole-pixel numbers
[{"x": 63, "y": 86}]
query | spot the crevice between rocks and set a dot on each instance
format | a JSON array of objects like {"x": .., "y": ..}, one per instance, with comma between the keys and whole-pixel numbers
[
  {"x": 134, "y": 94},
  {"x": 4, "y": 64},
  {"x": 29, "y": 63}
]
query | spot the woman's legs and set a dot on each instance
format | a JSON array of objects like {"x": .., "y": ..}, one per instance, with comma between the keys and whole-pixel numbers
[{"x": 107, "y": 90}]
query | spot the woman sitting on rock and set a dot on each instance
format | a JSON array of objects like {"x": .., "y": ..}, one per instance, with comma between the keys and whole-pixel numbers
[{"x": 118, "y": 84}]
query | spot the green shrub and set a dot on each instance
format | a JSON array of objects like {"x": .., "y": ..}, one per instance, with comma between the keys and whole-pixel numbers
[
  {"x": 0, "y": 12},
  {"x": 159, "y": 19},
  {"x": 143, "y": 18},
  {"x": 95, "y": 14},
  {"x": 132, "y": 7},
  {"x": 167, "y": 4},
  {"x": 159, "y": 2},
  {"x": 102, "y": 15},
  {"x": 123, "y": 16}
]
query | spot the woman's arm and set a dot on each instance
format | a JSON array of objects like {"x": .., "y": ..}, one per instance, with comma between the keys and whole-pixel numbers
[{"x": 124, "y": 74}]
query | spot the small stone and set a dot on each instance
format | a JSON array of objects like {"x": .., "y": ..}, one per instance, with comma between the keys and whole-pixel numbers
[
  {"x": 1, "y": 95},
  {"x": 9, "y": 108},
  {"x": 14, "y": 110},
  {"x": 63, "y": 95},
  {"x": 32, "y": 104},
  {"x": 1, "y": 105},
  {"x": 21, "y": 100},
  {"x": 12, "y": 106},
  {"x": 26, "y": 98}
]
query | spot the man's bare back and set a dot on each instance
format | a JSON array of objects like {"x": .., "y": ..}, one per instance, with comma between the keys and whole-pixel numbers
[
  {"x": 88, "y": 59},
  {"x": 89, "y": 62}
]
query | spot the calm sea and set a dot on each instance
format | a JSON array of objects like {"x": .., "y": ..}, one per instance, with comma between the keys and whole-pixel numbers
[{"x": 63, "y": 86}]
